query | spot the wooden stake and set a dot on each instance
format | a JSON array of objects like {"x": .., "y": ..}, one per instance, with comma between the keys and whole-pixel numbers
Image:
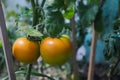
[
  {"x": 92, "y": 56},
  {"x": 6, "y": 46},
  {"x": 75, "y": 65}
]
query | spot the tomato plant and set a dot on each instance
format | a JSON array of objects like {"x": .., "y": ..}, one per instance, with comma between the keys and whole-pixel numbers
[
  {"x": 56, "y": 51},
  {"x": 48, "y": 19},
  {"x": 25, "y": 50}
]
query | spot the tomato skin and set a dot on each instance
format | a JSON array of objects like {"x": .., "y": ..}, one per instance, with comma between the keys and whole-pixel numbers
[
  {"x": 56, "y": 51},
  {"x": 25, "y": 50}
]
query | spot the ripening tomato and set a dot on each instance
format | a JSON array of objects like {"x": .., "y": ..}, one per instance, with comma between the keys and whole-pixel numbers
[
  {"x": 56, "y": 51},
  {"x": 25, "y": 50}
]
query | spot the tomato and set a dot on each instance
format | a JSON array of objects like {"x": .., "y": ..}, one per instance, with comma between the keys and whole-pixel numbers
[
  {"x": 65, "y": 36},
  {"x": 25, "y": 50},
  {"x": 56, "y": 51}
]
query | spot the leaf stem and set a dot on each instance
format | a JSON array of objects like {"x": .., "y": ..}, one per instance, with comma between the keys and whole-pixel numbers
[
  {"x": 32, "y": 73},
  {"x": 33, "y": 3},
  {"x": 28, "y": 72},
  {"x": 42, "y": 4},
  {"x": 35, "y": 13}
]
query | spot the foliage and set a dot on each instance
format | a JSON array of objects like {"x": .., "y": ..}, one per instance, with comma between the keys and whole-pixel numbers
[
  {"x": 33, "y": 73},
  {"x": 98, "y": 22},
  {"x": 112, "y": 51},
  {"x": 103, "y": 16},
  {"x": 2, "y": 60},
  {"x": 31, "y": 33},
  {"x": 87, "y": 13},
  {"x": 109, "y": 14},
  {"x": 54, "y": 20}
]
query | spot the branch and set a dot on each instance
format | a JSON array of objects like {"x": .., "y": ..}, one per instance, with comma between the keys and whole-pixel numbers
[
  {"x": 35, "y": 21},
  {"x": 42, "y": 4},
  {"x": 35, "y": 13},
  {"x": 33, "y": 4},
  {"x": 37, "y": 3}
]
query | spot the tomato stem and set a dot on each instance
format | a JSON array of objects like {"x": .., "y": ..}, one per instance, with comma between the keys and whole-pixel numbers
[
  {"x": 43, "y": 2},
  {"x": 35, "y": 13},
  {"x": 29, "y": 69}
]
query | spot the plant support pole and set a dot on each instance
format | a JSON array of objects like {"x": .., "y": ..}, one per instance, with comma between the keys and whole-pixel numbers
[
  {"x": 75, "y": 66},
  {"x": 92, "y": 56},
  {"x": 6, "y": 46}
]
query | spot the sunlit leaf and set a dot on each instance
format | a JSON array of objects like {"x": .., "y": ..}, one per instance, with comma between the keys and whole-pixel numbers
[
  {"x": 69, "y": 13},
  {"x": 31, "y": 33}
]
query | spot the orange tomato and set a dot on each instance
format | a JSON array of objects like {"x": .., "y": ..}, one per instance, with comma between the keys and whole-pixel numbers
[
  {"x": 25, "y": 50},
  {"x": 56, "y": 51}
]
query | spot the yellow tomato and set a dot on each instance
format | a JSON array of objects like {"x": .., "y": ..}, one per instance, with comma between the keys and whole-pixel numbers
[
  {"x": 56, "y": 51},
  {"x": 25, "y": 50}
]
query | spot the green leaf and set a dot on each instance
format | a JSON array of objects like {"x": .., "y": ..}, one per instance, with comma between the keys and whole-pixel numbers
[
  {"x": 31, "y": 33},
  {"x": 68, "y": 2},
  {"x": 98, "y": 24},
  {"x": 69, "y": 13},
  {"x": 56, "y": 3},
  {"x": 95, "y": 1},
  {"x": 116, "y": 24},
  {"x": 0, "y": 44},
  {"x": 87, "y": 13},
  {"x": 69, "y": 8},
  {"x": 54, "y": 22}
]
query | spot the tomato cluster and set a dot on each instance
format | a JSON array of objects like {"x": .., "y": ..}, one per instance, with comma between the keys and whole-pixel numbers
[{"x": 54, "y": 51}]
